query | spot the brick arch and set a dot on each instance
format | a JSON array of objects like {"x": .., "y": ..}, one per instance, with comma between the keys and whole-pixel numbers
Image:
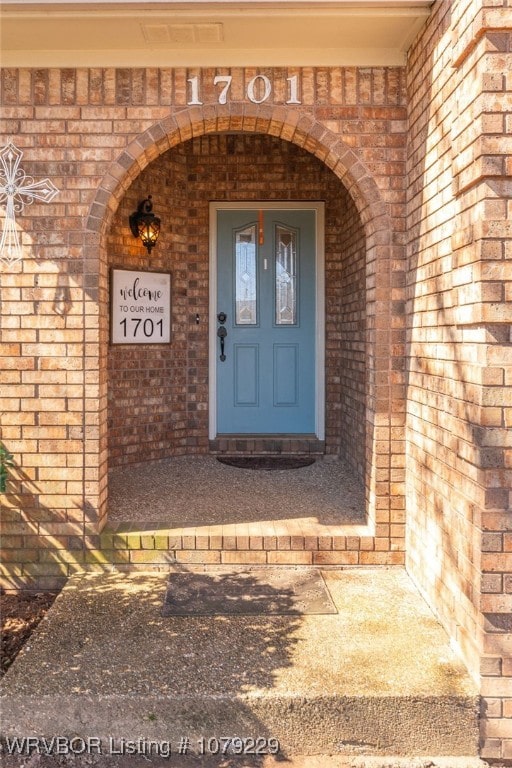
[
  {"x": 277, "y": 121},
  {"x": 302, "y": 130}
]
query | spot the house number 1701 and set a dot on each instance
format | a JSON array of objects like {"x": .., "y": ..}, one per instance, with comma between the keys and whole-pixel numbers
[{"x": 259, "y": 89}]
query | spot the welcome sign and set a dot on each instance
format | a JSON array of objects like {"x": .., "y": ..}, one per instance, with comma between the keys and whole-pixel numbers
[{"x": 140, "y": 307}]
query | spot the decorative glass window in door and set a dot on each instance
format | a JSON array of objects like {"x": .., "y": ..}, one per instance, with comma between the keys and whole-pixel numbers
[
  {"x": 246, "y": 284},
  {"x": 286, "y": 276}
]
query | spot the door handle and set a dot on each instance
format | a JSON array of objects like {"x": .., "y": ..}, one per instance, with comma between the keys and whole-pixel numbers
[{"x": 222, "y": 333}]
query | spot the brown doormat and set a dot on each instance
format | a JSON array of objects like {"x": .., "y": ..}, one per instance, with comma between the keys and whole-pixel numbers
[
  {"x": 247, "y": 591},
  {"x": 267, "y": 462}
]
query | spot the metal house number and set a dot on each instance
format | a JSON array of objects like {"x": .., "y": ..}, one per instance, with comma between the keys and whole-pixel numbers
[{"x": 258, "y": 90}]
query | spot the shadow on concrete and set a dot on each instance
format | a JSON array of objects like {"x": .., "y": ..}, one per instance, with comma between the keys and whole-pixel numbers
[
  {"x": 272, "y": 591},
  {"x": 105, "y": 664}
]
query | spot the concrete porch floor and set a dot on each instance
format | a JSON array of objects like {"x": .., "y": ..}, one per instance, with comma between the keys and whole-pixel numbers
[
  {"x": 200, "y": 491},
  {"x": 197, "y": 510},
  {"x": 376, "y": 678}
]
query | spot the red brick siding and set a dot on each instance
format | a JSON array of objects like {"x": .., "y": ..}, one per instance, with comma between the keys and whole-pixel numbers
[
  {"x": 459, "y": 372},
  {"x": 93, "y": 132},
  {"x": 158, "y": 396}
]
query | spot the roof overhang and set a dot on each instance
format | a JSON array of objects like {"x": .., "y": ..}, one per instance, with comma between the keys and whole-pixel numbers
[{"x": 225, "y": 33}]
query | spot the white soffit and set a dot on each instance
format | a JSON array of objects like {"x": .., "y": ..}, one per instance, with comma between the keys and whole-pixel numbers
[{"x": 227, "y": 33}]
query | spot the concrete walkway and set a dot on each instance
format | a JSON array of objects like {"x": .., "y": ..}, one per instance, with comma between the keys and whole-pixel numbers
[{"x": 376, "y": 678}]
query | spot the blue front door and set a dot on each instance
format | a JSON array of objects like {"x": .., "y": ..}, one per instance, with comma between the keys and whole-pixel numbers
[{"x": 266, "y": 319}]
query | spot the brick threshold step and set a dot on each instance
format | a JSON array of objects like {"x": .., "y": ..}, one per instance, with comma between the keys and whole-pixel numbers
[
  {"x": 261, "y": 444},
  {"x": 271, "y": 542}
]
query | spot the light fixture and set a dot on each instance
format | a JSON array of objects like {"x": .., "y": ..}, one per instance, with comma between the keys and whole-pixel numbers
[{"x": 144, "y": 223}]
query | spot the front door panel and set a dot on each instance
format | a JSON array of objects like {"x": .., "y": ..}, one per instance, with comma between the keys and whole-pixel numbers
[{"x": 266, "y": 287}]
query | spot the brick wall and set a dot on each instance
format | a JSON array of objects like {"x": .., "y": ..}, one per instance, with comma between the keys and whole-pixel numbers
[
  {"x": 158, "y": 396},
  {"x": 153, "y": 402},
  {"x": 94, "y": 132},
  {"x": 459, "y": 372}
]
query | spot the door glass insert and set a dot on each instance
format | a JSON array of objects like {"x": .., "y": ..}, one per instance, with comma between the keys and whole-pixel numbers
[
  {"x": 286, "y": 276},
  {"x": 246, "y": 310}
]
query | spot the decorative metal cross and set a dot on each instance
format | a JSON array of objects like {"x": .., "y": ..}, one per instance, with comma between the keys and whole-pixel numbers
[{"x": 17, "y": 190}]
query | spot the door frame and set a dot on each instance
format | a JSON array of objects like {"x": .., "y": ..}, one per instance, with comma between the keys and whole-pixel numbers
[{"x": 318, "y": 208}]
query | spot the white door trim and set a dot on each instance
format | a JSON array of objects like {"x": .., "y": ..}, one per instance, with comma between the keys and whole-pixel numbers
[{"x": 319, "y": 209}]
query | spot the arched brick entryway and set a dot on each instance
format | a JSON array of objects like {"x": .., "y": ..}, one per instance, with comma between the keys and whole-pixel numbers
[{"x": 383, "y": 394}]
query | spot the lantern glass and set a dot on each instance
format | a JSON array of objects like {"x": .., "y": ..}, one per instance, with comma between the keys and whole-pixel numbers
[
  {"x": 144, "y": 224},
  {"x": 149, "y": 230}
]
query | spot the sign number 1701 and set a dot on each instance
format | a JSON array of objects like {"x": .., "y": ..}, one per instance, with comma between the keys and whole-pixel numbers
[
  {"x": 147, "y": 327},
  {"x": 140, "y": 307}
]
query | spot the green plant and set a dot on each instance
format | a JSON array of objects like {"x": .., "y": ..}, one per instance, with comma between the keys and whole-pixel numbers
[{"x": 6, "y": 461}]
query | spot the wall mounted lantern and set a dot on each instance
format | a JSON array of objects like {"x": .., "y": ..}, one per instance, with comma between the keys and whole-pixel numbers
[{"x": 144, "y": 224}]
